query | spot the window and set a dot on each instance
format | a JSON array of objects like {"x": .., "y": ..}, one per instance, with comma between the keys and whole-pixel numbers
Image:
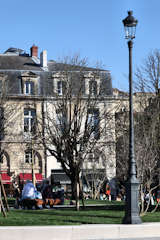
[
  {"x": 91, "y": 157},
  {"x": 1, "y": 157},
  {"x": 93, "y": 87},
  {"x": 61, "y": 86},
  {"x": 93, "y": 122},
  {"x": 61, "y": 120},
  {"x": 1, "y": 123},
  {"x": 28, "y": 87},
  {"x": 29, "y": 120},
  {"x": 28, "y": 156}
]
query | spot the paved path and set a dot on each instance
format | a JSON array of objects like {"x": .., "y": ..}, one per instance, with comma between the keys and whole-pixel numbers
[
  {"x": 145, "y": 231},
  {"x": 156, "y": 238}
]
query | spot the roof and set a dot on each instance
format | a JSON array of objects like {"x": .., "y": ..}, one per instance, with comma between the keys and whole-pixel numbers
[
  {"x": 15, "y": 62},
  {"x": 14, "y": 50},
  {"x": 55, "y": 66},
  {"x": 12, "y": 66},
  {"x": 25, "y": 62}
]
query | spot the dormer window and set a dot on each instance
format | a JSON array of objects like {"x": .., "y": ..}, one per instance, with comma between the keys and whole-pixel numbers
[
  {"x": 93, "y": 87},
  {"x": 28, "y": 88},
  {"x": 29, "y": 81},
  {"x": 61, "y": 86}
]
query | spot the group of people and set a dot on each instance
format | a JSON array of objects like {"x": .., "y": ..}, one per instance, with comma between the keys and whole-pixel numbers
[
  {"x": 31, "y": 192},
  {"x": 151, "y": 198},
  {"x": 113, "y": 191}
]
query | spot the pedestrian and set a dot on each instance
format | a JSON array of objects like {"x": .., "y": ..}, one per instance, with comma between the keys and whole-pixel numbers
[{"x": 17, "y": 195}]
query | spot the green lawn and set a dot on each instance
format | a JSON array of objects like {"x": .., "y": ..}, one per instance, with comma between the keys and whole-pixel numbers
[
  {"x": 60, "y": 217},
  {"x": 105, "y": 212},
  {"x": 152, "y": 217},
  {"x": 67, "y": 217}
]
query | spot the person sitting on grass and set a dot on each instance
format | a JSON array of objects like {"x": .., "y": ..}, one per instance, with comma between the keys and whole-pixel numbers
[
  {"x": 28, "y": 191},
  {"x": 46, "y": 191}
]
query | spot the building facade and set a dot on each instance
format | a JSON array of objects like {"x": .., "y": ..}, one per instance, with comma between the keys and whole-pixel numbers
[{"x": 30, "y": 86}]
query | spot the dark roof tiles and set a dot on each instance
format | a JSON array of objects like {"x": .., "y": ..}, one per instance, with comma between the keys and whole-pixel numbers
[
  {"x": 54, "y": 66},
  {"x": 18, "y": 63}
]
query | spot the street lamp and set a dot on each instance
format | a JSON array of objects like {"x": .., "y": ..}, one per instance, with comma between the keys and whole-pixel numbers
[{"x": 132, "y": 185}]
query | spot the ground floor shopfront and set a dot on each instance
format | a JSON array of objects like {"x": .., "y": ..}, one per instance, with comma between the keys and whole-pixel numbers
[{"x": 21, "y": 179}]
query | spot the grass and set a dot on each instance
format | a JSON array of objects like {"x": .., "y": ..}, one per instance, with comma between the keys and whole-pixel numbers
[
  {"x": 152, "y": 217},
  {"x": 103, "y": 202},
  {"x": 104, "y": 213},
  {"x": 48, "y": 217},
  {"x": 60, "y": 217}
]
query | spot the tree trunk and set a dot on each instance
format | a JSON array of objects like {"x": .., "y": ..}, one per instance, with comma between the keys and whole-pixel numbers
[
  {"x": 75, "y": 190},
  {"x": 81, "y": 193},
  {"x": 77, "y": 197},
  {"x": 142, "y": 198}
]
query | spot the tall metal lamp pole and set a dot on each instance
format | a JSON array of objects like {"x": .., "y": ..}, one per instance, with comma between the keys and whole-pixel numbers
[{"x": 132, "y": 185}]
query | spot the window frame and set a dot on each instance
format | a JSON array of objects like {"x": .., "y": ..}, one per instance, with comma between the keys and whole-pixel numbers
[
  {"x": 28, "y": 87},
  {"x": 93, "y": 87},
  {"x": 93, "y": 122},
  {"x": 61, "y": 120},
  {"x": 1, "y": 158},
  {"x": 28, "y": 155},
  {"x": 29, "y": 120},
  {"x": 61, "y": 86}
]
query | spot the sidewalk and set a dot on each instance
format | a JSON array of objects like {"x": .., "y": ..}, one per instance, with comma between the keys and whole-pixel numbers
[{"x": 83, "y": 232}]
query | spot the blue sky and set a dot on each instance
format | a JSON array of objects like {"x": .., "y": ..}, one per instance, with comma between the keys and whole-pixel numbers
[{"x": 92, "y": 28}]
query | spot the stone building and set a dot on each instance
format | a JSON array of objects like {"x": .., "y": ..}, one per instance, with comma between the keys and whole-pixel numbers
[
  {"x": 27, "y": 85},
  {"x": 21, "y": 104}
]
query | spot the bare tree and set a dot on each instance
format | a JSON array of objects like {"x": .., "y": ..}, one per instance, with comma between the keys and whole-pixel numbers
[
  {"x": 76, "y": 118},
  {"x": 148, "y": 74},
  {"x": 146, "y": 148},
  {"x": 7, "y": 111},
  {"x": 94, "y": 172},
  {"x": 148, "y": 81}
]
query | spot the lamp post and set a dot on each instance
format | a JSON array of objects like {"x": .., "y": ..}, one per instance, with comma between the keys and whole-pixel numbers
[{"x": 132, "y": 185}]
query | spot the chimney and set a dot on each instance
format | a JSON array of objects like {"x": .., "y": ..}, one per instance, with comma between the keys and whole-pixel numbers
[
  {"x": 34, "y": 51},
  {"x": 43, "y": 59}
]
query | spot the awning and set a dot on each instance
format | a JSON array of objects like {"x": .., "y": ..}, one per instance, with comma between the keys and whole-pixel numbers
[
  {"x": 39, "y": 177},
  {"x": 25, "y": 176},
  {"x": 59, "y": 176},
  {"x": 6, "y": 179},
  {"x": 28, "y": 176}
]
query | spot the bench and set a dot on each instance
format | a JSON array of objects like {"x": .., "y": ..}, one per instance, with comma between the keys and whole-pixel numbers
[
  {"x": 51, "y": 202},
  {"x": 30, "y": 203},
  {"x": 39, "y": 203}
]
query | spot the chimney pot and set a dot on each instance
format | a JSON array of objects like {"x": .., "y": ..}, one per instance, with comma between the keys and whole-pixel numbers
[
  {"x": 43, "y": 59},
  {"x": 34, "y": 51}
]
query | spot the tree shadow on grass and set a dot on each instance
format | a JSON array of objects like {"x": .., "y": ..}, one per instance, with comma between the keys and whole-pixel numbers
[{"x": 69, "y": 214}]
